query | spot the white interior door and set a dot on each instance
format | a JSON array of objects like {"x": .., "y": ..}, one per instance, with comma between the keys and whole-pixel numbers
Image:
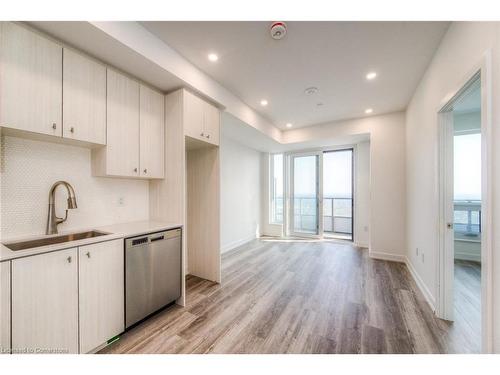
[{"x": 305, "y": 186}]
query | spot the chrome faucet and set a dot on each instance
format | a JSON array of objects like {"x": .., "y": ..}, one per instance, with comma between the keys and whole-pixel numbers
[{"x": 52, "y": 220}]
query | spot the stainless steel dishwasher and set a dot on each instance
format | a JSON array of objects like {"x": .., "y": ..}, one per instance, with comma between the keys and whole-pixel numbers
[{"x": 152, "y": 273}]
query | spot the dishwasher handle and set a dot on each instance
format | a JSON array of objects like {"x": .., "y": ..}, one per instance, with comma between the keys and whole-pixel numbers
[{"x": 154, "y": 237}]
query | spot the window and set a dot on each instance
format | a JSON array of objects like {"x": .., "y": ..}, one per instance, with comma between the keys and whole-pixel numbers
[{"x": 276, "y": 187}]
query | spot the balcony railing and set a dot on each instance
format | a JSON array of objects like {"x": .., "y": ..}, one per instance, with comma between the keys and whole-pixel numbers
[
  {"x": 337, "y": 214},
  {"x": 467, "y": 219}
]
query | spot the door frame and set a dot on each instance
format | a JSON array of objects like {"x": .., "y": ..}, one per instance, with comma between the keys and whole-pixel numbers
[
  {"x": 443, "y": 272},
  {"x": 319, "y": 193}
]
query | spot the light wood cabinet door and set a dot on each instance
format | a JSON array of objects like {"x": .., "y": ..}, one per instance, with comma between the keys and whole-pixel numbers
[
  {"x": 101, "y": 283},
  {"x": 84, "y": 98},
  {"x": 45, "y": 303},
  {"x": 5, "y": 308},
  {"x": 211, "y": 123},
  {"x": 193, "y": 116},
  {"x": 122, "y": 147},
  {"x": 30, "y": 81},
  {"x": 152, "y": 133}
]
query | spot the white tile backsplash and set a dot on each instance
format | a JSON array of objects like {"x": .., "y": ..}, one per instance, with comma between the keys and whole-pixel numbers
[{"x": 28, "y": 170}]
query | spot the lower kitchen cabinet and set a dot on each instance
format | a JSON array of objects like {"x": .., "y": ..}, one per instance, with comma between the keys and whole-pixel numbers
[
  {"x": 45, "y": 303},
  {"x": 101, "y": 295},
  {"x": 5, "y": 308}
]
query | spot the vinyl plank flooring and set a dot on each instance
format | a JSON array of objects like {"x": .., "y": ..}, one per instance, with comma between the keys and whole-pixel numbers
[{"x": 304, "y": 297}]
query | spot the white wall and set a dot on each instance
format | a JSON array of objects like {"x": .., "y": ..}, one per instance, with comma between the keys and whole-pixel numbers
[
  {"x": 460, "y": 51},
  {"x": 387, "y": 222},
  {"x": 362, "y": 195},
  {"x": 28, "y": 170},
  {"x": 239, "y": 193}
]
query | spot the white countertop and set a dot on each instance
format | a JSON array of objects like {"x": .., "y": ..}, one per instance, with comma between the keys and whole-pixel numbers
[{"x": 115, "y": 231}]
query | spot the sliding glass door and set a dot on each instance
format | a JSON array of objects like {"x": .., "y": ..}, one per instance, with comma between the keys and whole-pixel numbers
[
  {"x": 338, "y": 194},
  {"x": 305, "y": 195},
  {"x": 321, "y": 194}
]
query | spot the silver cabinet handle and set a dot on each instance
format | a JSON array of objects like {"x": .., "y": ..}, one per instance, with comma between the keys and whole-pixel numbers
[
  {"x": 202, "y": 134},
  {"x": 208, "y": 136},
  {"x": 69, "y": 259},
  {"x": 135, "y": 170},
  {"x": 145, "y": 170},
  {"x": 88, "y": 254},
  {"x": 72, "y": 129},
  {"x": 54, "y": 126}
]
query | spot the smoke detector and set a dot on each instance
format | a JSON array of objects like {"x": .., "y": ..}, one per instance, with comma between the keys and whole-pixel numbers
[
  {"x": 278, "y": 30},
  {"x": 311, "y": 90}
]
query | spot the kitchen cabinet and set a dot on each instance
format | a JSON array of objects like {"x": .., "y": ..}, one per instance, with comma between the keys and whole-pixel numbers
[
  {"x": 135, "y": 131},
  {"x": 201, "y": 119},
  {"x": 101, "y": 293},
  {"x": 84, "y": 98},
  {"x": 4, "y": 308},
  {"x": 31, "y": 81},
  {"x": 45, "y": 303},
  {"x": 120, "y": 157},
  {"x": 152, "y": 133}
]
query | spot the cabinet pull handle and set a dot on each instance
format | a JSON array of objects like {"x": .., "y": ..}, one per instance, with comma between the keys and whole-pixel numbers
[
  {"x": 88, "y": 254},
  {"x": 72, "y": 129},
  {"x": 135, "y": 170},
  {"x": 202, "y": 134},
  {"x": 208, "y": 136},
  {"x": 54, "y": 126},
  {"x": 145, "y": 170},
  {"x": 69, "y": 259}
]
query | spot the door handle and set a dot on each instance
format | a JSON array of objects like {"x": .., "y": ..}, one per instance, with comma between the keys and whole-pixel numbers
[
  {"x": 88, "y": 254},
  {"x": 449, "y": 225}
]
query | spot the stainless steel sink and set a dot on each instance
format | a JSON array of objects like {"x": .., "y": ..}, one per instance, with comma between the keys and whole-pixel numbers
[{"x": 24, "y": 245}]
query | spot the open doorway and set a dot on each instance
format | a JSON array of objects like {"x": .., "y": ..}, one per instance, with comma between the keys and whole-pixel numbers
[{"x": 461, "y": 207}]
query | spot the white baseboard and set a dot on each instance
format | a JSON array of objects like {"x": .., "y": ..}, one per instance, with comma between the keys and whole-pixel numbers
[
  {"x": 365, "y": 245},
  {"x": 421, "y": 285},
  {"x": 235, "y": 244},
  {"x": 387, "y": 256}
]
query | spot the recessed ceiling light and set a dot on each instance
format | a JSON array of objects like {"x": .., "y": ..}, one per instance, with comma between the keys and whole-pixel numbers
[
  {"x": 371, "y": 75},
  {"x": 289, "y": 125},
  {"x": 263, "y": 102},
  {"x": 368, "y": 111},
  {"x": 213, "y": 57}
]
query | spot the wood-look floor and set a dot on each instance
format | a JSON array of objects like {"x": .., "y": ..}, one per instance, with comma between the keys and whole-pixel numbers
[
  {"x": 467, "y": 301},
  {"x": 299, "y": 297}
]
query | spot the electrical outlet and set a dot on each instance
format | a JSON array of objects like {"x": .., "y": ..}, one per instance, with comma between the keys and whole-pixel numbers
[{"x": 121, "y": 201}]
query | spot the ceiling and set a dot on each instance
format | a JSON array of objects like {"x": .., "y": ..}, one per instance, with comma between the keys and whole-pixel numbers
[
  {"x": 332, "y": 56},
  {"x": 238, "y": 131}
]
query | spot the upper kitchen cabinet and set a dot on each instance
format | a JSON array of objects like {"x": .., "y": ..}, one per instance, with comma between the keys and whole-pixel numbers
[
  {"x": 201, "y": 119},
  {"x": 31, "y": 81},
  {"x": 152, "y": 133},
  {"x": 84, "y": 98},
  {"x": 135, "y": 131},
  {"x": 120, "y": 157}
]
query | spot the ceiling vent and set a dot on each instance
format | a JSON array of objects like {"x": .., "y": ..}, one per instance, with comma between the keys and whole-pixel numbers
[{"x": 278, "y": 30}]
